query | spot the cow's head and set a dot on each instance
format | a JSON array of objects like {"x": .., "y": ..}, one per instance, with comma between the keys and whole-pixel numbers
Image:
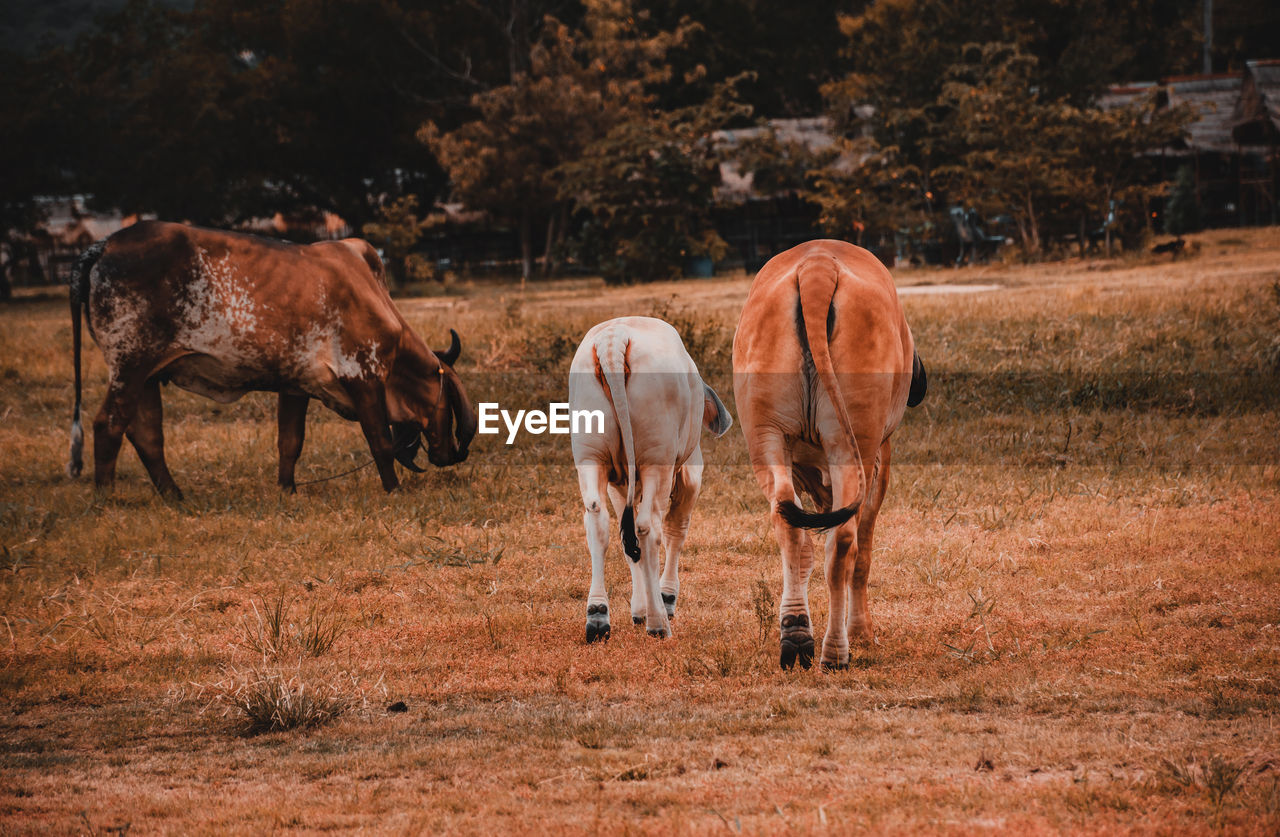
[{"x": 426, "y": 397}]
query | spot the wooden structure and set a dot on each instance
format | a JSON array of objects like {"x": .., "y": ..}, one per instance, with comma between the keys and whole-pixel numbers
[
  {"x": 1231, "y": 145},
  {"x": 1256, "y": 127}
]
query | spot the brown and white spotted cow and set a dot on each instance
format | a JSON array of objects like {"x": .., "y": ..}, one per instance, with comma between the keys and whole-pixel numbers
[
  {"x": 646, "y": 456},
  {"x": 222, "y": 314},
  {"x": 824, "y": 369}
]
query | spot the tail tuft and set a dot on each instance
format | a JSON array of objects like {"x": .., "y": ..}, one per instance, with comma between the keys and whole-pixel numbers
[
  {"x": 75, "y": 464},
  {"x": 798, "y": 518},
  {"x": 630, "y": 543}
]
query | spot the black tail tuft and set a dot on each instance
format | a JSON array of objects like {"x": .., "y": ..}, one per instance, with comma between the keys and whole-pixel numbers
[
  {"x": 798, "y": 518},
  {"x": 919, "y": 382},
  {"x": 630, "y": 543}
]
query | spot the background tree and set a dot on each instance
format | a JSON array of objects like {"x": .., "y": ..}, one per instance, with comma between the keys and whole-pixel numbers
[
  {"x": 396, "y": 231},
  {"x": 1182, "y": 210},
  {"x": 648, "y": 188},
  {"x": 1009, "y": 143},
  {"x": 1109, "y": 154},
  {"x": 33, "y": 142},
  {"x": 577, "y": 87}
]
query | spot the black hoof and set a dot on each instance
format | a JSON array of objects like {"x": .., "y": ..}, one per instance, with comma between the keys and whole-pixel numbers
[
  {"x": 797, "y": 642},
  {"x": 826, "y": 666},
  {"x": 660, "y": 633},
  {"x": 597, "y": 622},
  {"x": 637, "y": 620},
  {"x": 669, "y": 599},
  {"x": 797, "y": 650}
]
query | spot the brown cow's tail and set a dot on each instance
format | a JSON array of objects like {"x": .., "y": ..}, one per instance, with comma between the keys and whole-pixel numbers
[
  {"x": 613, "y": 369},
  {"x": 816, "y": 281},
  {"x": 78, "y": 294}
]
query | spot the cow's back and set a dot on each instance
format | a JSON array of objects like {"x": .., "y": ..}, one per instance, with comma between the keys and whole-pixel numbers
[
  {"x": 223, "y": 313},
  {"x": 662, "y": 386},
  {"x": 870, "y": 345}
]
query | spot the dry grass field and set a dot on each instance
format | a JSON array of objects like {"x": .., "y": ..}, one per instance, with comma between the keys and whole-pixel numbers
[{"x": 1076, "y": 591}]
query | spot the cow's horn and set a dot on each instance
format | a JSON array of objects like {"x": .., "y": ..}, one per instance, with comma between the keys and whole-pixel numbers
[
  {"x": 450, "y": 355},
  {"x": 406, "y": 441}
]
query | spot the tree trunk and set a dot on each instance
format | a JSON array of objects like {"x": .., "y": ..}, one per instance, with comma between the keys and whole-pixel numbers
[
  {"x": 547, "y": 264},
  {"x": 1033, "y": 229},
  {"x": 1107, "y": 221},
  {"x": 526, "y": 245}
]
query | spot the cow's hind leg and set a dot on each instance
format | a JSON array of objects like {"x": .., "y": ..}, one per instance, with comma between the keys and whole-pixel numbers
[
  {"x": 656, "y": 484},
  {"x": 113, "y": 419},
  {"x": 146, "y": 432},
  {"x": 771, "y": 461},
  {"x": 291, "y": 420},
  {"x": 675, "y": 526},
  {"x": 860, "y": 626},
  {"x": 593, "y": 483},
  {"x": 842, "y": 551},
  {"x": 619, "y": 501}
]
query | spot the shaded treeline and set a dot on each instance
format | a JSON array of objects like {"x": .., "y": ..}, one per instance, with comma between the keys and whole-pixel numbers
[{"x": 587, "y": 125}]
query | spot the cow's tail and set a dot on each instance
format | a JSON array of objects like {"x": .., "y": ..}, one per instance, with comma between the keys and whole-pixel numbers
[
  {"x": 816, "y": 281},
  {"x": 78, "y": 294},
  {"x": 611, "y": 360}
]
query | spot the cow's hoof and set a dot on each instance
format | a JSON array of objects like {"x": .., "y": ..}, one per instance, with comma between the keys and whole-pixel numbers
[
  {"x": 597, "y": 622},
  {"x": 637, "y": 620},
  {"x": 835, "y": 666},
  {"x": 669, "y": 599},
  {"x": 796, "y": 644},
  {"x": 799, "y": 650},
  {"x": 660, "y": 633}
]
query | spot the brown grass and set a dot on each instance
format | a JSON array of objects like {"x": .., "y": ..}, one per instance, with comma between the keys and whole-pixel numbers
[{"x": 1075, "y": 587}]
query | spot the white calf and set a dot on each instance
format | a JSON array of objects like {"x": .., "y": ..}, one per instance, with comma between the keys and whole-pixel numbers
[{"x": 648, "y": 459}]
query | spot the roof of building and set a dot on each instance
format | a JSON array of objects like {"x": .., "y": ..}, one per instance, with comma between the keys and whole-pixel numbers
[
  {"x": 1214, "y": 98},
  {"x": 1256, "y": 118}
]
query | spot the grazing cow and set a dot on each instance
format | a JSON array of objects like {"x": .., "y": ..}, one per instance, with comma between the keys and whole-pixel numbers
[
  {"x": 648, "y": 459},
  {"x": 824, "y": 368},
  {"x": 222, "y": 314}
]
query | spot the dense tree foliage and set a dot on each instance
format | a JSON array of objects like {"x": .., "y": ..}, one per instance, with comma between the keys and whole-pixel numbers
[
  {"x": 647, "y": 190},
  {"x": 588, "y": 124},
  {"x": 572, "y": 90}
]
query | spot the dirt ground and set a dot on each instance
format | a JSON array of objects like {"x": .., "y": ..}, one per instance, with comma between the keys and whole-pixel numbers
[{"x": 1075, "y": 588}]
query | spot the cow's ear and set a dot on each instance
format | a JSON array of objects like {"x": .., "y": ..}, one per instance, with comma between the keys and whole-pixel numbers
[{"x": 715, "y": 416}]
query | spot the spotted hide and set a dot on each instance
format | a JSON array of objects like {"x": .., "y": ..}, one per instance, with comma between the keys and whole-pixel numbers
[
  {"x": 824, "y": 368},
  {"x": 646, "y": 455},
  {"x": 222, "y": 314}
]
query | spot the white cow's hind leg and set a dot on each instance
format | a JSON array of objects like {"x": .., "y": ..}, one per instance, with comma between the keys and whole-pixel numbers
[
  {"x": 619, "y": 501},
  {"x": 592, "y": 482},
  {"x": 675, "y": 526},
  {"x": 656, "y": 482}
]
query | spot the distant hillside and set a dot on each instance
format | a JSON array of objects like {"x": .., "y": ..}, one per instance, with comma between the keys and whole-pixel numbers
[{"x": 26, "y": 24}]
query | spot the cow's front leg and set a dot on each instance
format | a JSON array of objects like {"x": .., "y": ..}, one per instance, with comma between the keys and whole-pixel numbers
[
  {"x": 592, "y": 483},
  {"x": 291, "y": 420},
  {"x": 370, "y": 401}
]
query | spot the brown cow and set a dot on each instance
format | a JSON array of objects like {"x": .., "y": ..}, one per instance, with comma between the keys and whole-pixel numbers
[
  {"x": 222, "y": 314},
  {"x": 824, "y": 368}
]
